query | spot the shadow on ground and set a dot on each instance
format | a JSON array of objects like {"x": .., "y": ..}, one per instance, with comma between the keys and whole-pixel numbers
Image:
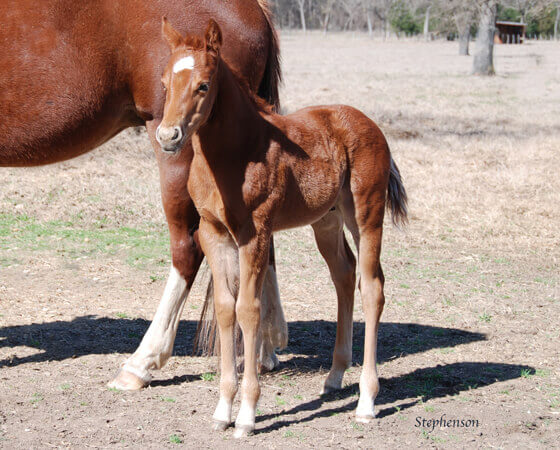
[
  {"x": 311, "y": 342},
  {"x": 418, "y": 386},
  {"x": 311, "y": 345}
]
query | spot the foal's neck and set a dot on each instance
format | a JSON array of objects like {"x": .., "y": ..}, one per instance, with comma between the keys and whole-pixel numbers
[{"x": 235, "y": 126}]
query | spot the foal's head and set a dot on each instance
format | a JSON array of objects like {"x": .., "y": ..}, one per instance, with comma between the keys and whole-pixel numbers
[{"x": 190, "y": 84}]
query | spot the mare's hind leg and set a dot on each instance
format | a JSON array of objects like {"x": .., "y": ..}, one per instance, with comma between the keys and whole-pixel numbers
[
  {"x": 366, "y": 224},
  {"x": 329, "y": 235},
  {"x": 222, "y": 255},
  {"x": 273, "y": 324}
]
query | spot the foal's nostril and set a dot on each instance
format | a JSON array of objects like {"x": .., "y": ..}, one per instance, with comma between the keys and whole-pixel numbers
[{"x": 176, "y": 134}]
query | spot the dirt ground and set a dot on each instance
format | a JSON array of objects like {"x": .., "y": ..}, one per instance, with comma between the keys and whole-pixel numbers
[{"x": 470, "y": 329}]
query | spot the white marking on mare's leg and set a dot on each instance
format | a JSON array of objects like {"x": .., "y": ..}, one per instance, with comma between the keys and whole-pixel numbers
[
  {"x": 157, "y": 345},
  {"x": 186, "y": 63}
]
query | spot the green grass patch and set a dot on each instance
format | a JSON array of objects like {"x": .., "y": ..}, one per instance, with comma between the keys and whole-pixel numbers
[
  {"x": 139, "y": 247},
  {"x": 174, "y": 439},
  {"x": 208, "y": 376},
  {"x": 36, "y": 398}
]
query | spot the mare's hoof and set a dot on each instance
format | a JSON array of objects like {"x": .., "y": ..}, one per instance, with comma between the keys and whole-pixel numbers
[
  {"x": 242, "y": 431},
  {"x": 220, "y": 425},
  {"x": 127, "y": 381},
  {"x": 328, "y": 389},
  {"x": 364, "y": 419},
  {"x": 269, "y": 364}
]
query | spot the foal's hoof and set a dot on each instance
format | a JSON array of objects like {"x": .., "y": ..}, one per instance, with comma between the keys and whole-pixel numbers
[
  {"x": 220, "y": 425},
  {"x": 127, "y": 381},
  {"x": 242, "y": 431},
  {"x": 364, "y": 419}
]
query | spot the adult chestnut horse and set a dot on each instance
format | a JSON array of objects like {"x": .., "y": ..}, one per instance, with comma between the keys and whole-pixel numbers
[
  {"x": 255, "y": 172},
  {"x": 73, "y": 74}
]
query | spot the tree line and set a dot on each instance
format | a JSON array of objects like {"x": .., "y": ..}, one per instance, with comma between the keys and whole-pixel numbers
[
  {"x": 452, "y": 19},
  {"x": 412, "y": 17}
]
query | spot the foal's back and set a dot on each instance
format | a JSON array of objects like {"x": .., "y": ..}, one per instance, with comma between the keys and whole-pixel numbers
[{"x": 320, "y": 146}]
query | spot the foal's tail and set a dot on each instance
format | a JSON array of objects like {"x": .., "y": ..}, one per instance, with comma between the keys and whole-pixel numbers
[
  {"x": 270, "y": 83},
  {"x": 397, "y": 200}
]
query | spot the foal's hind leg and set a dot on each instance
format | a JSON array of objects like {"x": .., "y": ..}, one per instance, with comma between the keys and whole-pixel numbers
[
  {"x": 366, "y": 224},
  {"x": 329, "y": 235}
]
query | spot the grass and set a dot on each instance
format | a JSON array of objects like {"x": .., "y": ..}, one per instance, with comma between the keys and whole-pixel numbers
[
  {"x": 139, "y": 247},
  {"x": 356, "y": 426},
  {"x": 174, "y": 439},
  {"x": 37, "y": 397},
  {"x": 485, "y": 317},
  {"x": 280, "y": 401},
  {"x": 208, "y": 376}
]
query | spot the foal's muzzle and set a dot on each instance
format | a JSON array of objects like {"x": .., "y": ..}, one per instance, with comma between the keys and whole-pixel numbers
[{"x": 170, "y": 138}]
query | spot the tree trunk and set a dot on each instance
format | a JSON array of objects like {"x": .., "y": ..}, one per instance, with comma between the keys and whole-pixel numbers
[
  {"x": 464, "y": 39},
  {"x": 484, "y": 55},
  {"x": 369, "y": 23},
  {"x": 463, "y": 23},
  {"x": 301, "y": 4},
  {"x": 427, "y": 24},
  {"x": 326, "y": 23},
  {"x": 556, "y": 22}
]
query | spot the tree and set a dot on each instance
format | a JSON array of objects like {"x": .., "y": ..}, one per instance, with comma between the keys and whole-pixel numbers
[
  {"x": 483, "y": 63},
  {"x": 301, "y": 4},
  {"x": 557, "y": 21},
  {"x": 427, "y": 23}
]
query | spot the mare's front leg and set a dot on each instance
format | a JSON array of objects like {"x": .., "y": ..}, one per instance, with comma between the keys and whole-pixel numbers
[
  {"x": 253, "y": 259},
  {"x": 157, "y": 345}
]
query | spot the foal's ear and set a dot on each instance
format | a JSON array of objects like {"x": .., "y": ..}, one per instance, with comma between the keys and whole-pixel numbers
[
  {"x": 213, "y": 37},
  {"x": 171, "y": 35}
]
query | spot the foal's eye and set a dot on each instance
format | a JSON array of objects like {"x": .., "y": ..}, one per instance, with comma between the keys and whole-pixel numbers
[{"x": 203, "y": 87}]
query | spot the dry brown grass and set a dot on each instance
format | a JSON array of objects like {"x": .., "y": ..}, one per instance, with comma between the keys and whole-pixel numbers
[{"x": 480, "y": 260}]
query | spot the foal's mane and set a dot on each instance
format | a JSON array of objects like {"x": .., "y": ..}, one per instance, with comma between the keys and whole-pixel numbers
[{"x": 260, "y": 104}]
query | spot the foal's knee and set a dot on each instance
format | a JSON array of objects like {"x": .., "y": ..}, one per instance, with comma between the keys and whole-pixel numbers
[{"x": 248, "y": 312}]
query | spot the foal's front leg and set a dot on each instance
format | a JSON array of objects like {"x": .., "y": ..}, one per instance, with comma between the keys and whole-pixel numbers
[
  {"x": 253, "y": 257},
  {"x": 221, "y": 252}
]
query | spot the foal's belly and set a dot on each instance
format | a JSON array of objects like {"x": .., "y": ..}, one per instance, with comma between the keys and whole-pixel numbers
[{"x": 309, "y": 196}]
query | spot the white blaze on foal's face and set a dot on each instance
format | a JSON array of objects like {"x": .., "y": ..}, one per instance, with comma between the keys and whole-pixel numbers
[{"x": 186, "y": 63}]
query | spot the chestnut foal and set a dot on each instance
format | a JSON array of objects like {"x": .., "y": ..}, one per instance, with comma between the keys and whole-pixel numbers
[{"x": 255, "y": 172}]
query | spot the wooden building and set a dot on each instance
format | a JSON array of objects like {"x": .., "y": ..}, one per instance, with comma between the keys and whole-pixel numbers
[{"x": 510, "y": 33}]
